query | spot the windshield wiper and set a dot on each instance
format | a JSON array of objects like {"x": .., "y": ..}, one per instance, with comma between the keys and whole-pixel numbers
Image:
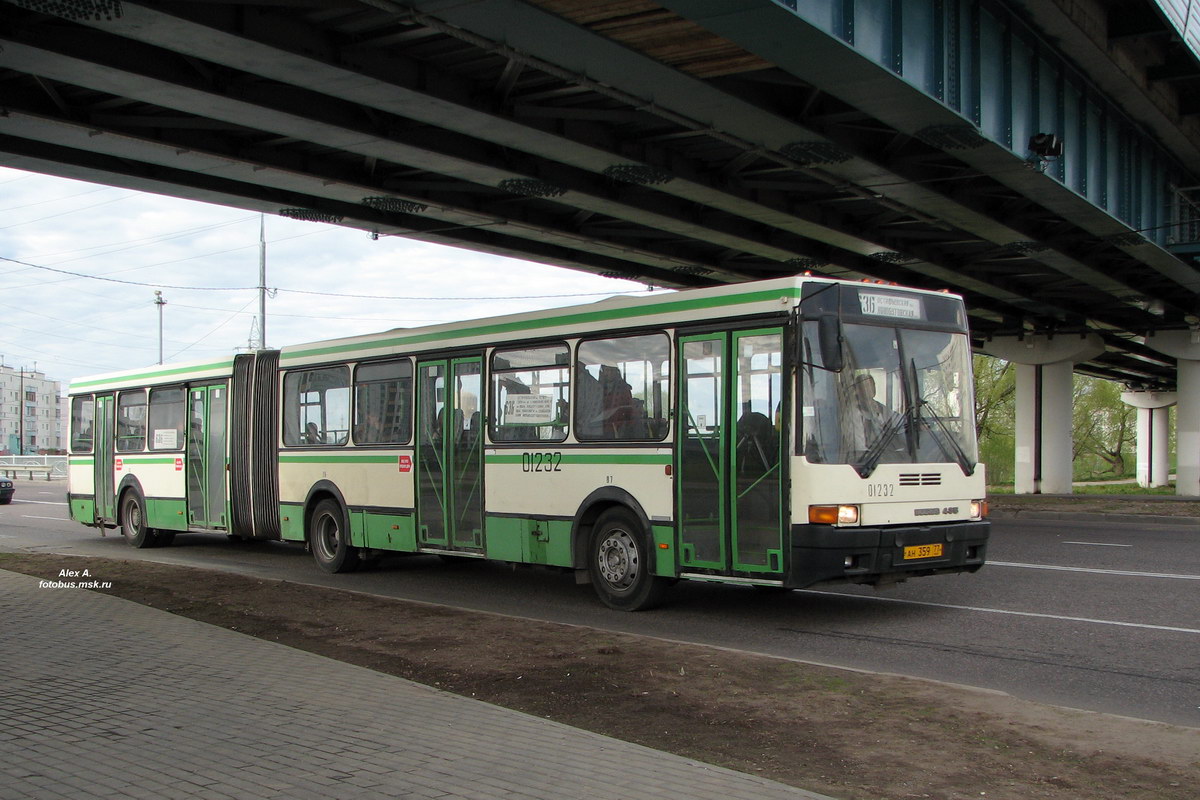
[
  {"x": 875, "y": 451},
  {"x": 947, "y": 437}
]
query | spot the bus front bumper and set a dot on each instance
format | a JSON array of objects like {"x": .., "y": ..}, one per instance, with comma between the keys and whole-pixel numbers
[{"x": 824, "y": 553}]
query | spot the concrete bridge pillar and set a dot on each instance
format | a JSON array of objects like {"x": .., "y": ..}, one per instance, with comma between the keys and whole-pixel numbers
[
  {"x": 1184, "y": 346},
  {"x": 1153, "y": 436},
  {"x": 1045, "y": 369}
]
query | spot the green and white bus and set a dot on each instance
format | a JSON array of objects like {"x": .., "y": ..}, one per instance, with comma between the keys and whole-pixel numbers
[{"x": 782, "y": 433}]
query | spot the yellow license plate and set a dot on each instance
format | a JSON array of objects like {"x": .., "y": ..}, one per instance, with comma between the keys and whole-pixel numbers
[{"x": 922, "y": 551}]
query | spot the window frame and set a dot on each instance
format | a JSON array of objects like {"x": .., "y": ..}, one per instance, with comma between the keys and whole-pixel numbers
[
  {"x": 667, "y": 394},
  {"x": 493, "y": 415},
  {"x": 121, "y": 439},
  {"x": 409, "y": 400},
  {"x": 287, "y": 407},
  {"x": 76, "y": 419},
  {"x": 180, "y": 428}
]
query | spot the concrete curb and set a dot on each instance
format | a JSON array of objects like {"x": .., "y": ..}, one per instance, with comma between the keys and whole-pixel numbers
[{"x": 1077, "y": 516}]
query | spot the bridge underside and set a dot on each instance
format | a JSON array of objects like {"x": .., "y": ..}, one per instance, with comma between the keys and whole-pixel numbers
[{"x": 679, "y": 143}]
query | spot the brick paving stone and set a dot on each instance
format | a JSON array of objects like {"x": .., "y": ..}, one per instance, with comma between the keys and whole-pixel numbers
[{"x": 101, "y": 692}]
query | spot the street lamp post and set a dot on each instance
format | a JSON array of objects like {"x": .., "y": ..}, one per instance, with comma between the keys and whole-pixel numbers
[
  {"x": 158, "y": 301},
  {"x": 21, "y": 413}
]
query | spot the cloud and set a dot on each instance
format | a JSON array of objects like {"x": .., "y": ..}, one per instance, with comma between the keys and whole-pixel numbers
[{"x": 205, "y": 260}]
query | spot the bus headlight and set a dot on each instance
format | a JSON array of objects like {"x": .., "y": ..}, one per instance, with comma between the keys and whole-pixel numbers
[
  {"x": 979, "y": 509},
  {"x": 833, "y": 515}
]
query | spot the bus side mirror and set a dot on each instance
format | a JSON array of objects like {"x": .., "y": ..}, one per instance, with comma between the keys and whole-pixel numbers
[{"x": 829, "y": 334}]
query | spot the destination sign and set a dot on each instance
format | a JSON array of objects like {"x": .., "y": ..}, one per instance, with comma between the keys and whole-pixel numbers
[{"x": 890, "y": 305}]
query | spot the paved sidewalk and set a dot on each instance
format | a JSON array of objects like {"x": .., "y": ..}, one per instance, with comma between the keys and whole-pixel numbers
[{"x": 101, "y": 697}]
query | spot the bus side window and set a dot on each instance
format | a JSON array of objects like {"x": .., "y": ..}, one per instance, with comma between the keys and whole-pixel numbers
[
  {"x": 624, "y": 386},
  {"x": 531, "y": 394}
]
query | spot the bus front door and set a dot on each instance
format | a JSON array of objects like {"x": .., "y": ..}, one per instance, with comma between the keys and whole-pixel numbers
[
  {"x": 206, "y": 492},
  {"x": 450, "y": 455},
  {"x": 104, "y": 442},
  {"x": 729, "y": 484}
]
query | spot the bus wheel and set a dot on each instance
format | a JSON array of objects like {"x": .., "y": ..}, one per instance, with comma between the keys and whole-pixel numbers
[
  {"x": 619, "y": 563},
  {"x": 133, "y": 520},
  {"x": 329, "y": 538}
]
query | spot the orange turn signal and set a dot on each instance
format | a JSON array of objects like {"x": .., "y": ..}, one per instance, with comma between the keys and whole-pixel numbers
[{"x": 833, "y": 515}]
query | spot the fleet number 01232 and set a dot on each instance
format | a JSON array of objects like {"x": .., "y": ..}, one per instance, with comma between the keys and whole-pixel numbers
[
  {"x": 541, "y": 462},
  {"x": 881, "y": 490}
]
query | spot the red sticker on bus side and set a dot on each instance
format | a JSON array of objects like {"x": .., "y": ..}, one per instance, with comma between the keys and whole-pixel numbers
[
  {"x": 404, "y": 463},
  {"x": 117, "y": 464},
  {"x": 179, "y": 465}
]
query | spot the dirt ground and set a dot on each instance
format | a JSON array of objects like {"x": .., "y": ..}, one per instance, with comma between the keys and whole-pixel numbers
[{"x": 847, "y": 734}]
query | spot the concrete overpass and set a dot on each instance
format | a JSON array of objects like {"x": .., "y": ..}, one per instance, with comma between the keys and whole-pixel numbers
[{"x": 1038, "y": 157}]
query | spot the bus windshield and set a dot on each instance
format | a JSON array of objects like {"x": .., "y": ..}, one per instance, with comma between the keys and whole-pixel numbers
[{"x": 904, "y": 396}]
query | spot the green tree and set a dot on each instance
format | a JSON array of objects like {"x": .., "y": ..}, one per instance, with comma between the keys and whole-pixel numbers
[
  {"x": 995, "y": 416},
  {"x": 1104, "y": 428}
]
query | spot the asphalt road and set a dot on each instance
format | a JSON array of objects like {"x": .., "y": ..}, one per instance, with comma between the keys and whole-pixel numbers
[{"x": 1092, "y": 615}]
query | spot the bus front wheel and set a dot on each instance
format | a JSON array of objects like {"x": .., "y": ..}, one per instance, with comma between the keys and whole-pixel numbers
[
  {"x": 620, "y": 565},
  {"x": 134, "y": 527},
  {"x": 329, "y": 538}
]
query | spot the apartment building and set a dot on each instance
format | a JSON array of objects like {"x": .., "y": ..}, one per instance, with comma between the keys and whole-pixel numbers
[{"x": 31, "y": 412}]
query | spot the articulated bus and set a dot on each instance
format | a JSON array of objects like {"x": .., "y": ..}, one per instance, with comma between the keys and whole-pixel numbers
[{"x": 782, "y": 433}]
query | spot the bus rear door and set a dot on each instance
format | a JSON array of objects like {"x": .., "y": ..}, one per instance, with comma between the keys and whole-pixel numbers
[
  {"x": 729, "y": 479},
  {"x": 103, "y": 483}
]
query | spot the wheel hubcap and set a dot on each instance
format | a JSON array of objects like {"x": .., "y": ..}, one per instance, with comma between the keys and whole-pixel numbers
[
  {"x": 618, "y": 560},
  {"x": 327, "y": 537},
  {"x": 133, "y": 518}
]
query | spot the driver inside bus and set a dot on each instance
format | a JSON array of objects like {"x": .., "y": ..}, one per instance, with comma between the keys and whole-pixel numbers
[{"x": 875, "y": 414}]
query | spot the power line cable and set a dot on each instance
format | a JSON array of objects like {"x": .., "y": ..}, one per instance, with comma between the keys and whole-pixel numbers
[
  {"x": 65, "y": 213},
  {"x": 306, "y": 291},
  {"x": 57, "y": 199}
]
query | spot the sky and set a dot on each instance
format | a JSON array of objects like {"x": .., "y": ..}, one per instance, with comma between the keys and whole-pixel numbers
[{"x": 80, "y": 263}]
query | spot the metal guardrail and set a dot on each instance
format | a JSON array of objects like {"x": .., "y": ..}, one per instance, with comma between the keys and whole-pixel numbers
[{"x": 51, "y": 466}]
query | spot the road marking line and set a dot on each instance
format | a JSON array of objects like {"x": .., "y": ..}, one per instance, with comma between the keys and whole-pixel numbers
[
  {"x": 1100, "y": 544},
  {"x": 56, "y": 519},
  {"x": 39, "y": 502},
  {"x": 1127, "y": 573},
  {"x": 1036, "y": 615}
]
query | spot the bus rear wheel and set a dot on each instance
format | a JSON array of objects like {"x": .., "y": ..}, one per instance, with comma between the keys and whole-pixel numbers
[
  {"x": 329, "y": 538},
  {"x": 134, "y": 527},
  {"x": 619, "y": 563}
]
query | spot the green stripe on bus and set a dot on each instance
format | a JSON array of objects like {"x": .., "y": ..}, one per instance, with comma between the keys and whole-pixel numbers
[
  {"x": 581, "y": 317},
  {"x": 336, "y": 459},
  {"x": 568, "y": 458},
  {"x": 148, "y": 459},
  {"x": 126, "y": 380},
  {"x": 87, "y": 461}
]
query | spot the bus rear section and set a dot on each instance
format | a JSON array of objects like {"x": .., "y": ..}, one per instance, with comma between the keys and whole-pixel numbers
[{"x": 166, "y": 450}]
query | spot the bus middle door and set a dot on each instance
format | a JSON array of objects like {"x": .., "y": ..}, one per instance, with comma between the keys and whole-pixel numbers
[
  {"x": 206, "y": 474},
  {"x": 450, "y": 455},
  {"x": 729, "y": 480}
]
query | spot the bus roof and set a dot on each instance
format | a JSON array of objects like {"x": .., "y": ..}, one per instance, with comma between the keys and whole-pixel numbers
[{"x": 757, "y": 298}]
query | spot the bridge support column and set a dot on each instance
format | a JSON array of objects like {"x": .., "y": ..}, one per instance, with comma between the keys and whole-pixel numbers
[
  {"x": 1045, "y": 367},
  {"x": 1153, "y": 436},
  {"x": 1185, "y": 346}
]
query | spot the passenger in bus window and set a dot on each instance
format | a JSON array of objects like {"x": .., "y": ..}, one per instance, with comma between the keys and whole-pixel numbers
[
  {"x": 467, "y": 418},
  {"x": 618, "y": 403},
  {"x": 589, "y": 397}
]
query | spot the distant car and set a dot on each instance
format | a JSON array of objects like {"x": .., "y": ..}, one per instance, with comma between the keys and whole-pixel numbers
[{"x": 6, "y": 491}]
